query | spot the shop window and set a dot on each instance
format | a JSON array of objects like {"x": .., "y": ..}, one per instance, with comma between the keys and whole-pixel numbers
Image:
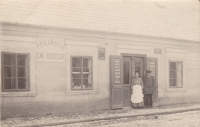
[
  {"x": 15, "y": 72},
  {"x": 176, "y": 74},
  {"x": 81, "y": 73}
]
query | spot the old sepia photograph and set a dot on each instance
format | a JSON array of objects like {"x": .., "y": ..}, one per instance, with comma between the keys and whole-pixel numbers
[{"x": 100, "y": 63}]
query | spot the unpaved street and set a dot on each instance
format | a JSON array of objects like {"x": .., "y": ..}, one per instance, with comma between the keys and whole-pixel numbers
[{"x": 186, "y": 119}]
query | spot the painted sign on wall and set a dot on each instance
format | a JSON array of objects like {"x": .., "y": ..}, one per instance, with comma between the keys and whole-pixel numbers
[
  {"x": 50, "y": 50},
  {"x": 101, "y": 53}
]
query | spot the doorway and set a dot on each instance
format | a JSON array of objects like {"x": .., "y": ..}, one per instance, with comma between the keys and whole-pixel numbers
[
  {"x": 131, "y": 64},
  {"x": 122, "y": 70}
]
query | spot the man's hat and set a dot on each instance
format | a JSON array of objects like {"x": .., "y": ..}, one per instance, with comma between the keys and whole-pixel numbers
[{"x": 148, "y": 71}]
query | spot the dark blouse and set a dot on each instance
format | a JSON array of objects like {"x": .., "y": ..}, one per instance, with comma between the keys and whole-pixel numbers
[{"x": 137, "y": 81}]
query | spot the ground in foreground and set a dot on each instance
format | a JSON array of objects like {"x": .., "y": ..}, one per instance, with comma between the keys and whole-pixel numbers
[{"x": 185, "y": 119}]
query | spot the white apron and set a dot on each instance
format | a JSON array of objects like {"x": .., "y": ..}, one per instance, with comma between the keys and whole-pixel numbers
[{"x": 137, "y": 95}]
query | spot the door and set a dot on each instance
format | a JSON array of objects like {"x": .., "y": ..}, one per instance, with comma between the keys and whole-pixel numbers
[
  {"x": 122, "y": 71},
  {"x": 116, "y": 82},
  {"x": 130, "y": 66},
  {"x": 127, "y": 76},
  {"x": 152, "y": 64}
]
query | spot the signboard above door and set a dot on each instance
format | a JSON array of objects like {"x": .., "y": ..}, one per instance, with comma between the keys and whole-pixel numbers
[
  {"x": 50, "y": 50},
  {"x": 157, "y": 51}
]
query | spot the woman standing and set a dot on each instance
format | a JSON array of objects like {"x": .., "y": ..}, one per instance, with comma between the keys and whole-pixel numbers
[{"x": 137, "y": 95}]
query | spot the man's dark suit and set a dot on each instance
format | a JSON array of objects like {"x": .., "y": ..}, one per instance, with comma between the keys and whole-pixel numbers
[{"x": 149, "y": 86}]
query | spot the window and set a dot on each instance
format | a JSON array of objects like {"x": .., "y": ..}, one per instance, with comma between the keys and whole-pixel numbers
[
  {"x": 81, "y": 73},
  {"x": 176, "y": 74},
  {"x": 15, "y": 72}
]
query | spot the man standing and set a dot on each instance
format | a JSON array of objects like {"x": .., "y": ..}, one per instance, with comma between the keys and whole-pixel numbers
[{"x": 149, "y": 86}]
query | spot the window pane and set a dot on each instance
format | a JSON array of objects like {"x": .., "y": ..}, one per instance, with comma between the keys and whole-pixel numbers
[
  {"x": 81, "y": 73},
  {"x": 22, "y": 83},
  {"x": 22, "y": 60},
  {"x": 76, "y": 69},
  {"x": 22, "y": 72},
  {"x": 172, "y": 82},
  {"x": 87, "y": 75},
  {"x": 179, "y": 74},
  {"x": 76, "y": 62},
  {"x": 87, "y": 83},
  {"x": 74, "y": 75},
  {"x": 126, "y": 72},
  {"x": 87, "y": 70},
  {"x": 9, "y": 83},
  {"x": 172, "y": 74},
  {"x": 87, "y": 62},
  {"x": 9, "y": 71},
  {"x": 179, "y": 66},
  {"x": 76, "y": 84},
  {"x": 179, "y": 82},
  {"x": 172, "y": 65},
  {"x": 138, "y": 67},
  {"x": 9, "y": 59}
]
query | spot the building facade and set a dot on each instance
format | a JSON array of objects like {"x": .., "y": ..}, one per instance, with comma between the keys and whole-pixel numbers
[{"x": 84, "y": 60}]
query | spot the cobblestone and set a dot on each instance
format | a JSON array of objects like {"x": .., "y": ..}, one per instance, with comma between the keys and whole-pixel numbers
[
  {"x": 25, "y": 121},
  {"x": 185, "y": 119}
]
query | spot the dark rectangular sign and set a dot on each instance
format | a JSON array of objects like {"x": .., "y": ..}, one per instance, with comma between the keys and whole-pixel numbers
[
  {"x": 158, "y": 51},
  {"x": 101, "y": 53}
]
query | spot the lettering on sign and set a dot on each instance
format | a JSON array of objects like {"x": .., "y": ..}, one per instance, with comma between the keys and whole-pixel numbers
[
  {"x": 158, "y": 51},
  {"x": 117, "y": 76},
  {"x": 50, "y": 50},
  {"x": 152, "y": 67},
  {"x": 193, "y": 59},
  {"x": 117, "y": 69},
  {"x": 117, "y": 66},
  {"x": 51, "y": 42},
  {"x": 117, "y": 82},
  {"x": 117, "y": 72}
]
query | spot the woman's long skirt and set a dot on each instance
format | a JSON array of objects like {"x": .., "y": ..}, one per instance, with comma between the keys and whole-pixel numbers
[{"x": 137, "y": 97}]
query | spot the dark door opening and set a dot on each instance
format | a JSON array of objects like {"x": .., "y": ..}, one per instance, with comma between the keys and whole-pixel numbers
[
  {"x": 122, "y": 71},
  {"x": 130, "y": 65}
]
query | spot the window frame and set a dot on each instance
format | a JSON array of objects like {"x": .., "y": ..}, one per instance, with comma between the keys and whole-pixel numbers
[
  {"x": 16, "y": 72},
  {"x": 182, "y": 85},
  {"x": 71, "y": 76}
]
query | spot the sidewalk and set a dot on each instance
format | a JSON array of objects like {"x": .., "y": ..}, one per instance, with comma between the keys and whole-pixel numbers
[{"x": 39, "y": 121}]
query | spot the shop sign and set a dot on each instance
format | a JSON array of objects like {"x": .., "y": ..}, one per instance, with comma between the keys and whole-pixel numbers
[
  {"x": 152, "y": 67},
  {"x": 117, "y": 72},
  {"x": 157, "y": 51},
  {"x": 50, "y": 50},
  {"x": 101, "y": 53}
]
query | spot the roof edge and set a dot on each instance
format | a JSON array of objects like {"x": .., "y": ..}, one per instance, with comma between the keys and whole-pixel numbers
[{"x": 95, "y": 32}]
